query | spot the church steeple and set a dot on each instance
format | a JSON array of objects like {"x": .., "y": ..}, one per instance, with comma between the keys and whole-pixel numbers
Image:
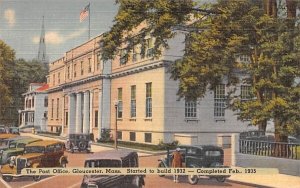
[{"x": 42, "y": 56}]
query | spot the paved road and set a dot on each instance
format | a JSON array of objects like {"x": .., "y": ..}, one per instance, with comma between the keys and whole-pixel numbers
[{"x": 146, "y": 160}]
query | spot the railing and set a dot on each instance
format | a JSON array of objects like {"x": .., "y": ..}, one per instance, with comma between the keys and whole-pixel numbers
[{"x": 273, "y": 149}]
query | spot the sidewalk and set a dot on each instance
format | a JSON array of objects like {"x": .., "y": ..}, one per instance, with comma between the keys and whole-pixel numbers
[
  {"x": 269, "y": 180},
  {"x": 262, "y": 180}
]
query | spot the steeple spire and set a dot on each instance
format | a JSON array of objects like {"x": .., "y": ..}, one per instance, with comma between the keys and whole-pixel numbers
[{"x": 42, "y": 56}]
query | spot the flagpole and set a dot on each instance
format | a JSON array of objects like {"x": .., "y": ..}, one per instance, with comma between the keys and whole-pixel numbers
[{"x": 89, "y": 22}]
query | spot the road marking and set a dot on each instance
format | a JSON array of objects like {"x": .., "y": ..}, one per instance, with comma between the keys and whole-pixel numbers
[
  {"x": 75, "y": 185},
  {"x": 46, "y": 179},
  {"x": 4, "y": 182}
]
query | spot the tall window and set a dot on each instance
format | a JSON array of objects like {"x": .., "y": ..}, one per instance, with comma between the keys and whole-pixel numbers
[
  {"x": 96, "y": 118},
  {"x": 81, "y": 67},
  {"x": 135, "y": 53},
  {"x": 32, "y": 102},
  {"x": 46, "y": 102},
  {"x": 98, "y": 61},
  {"x": 66, "y": 119},
  {"x": 74, "y": 70},
  {"x": 149, "y": 47},
  {"x": 245, "y": 92},
  {"x": 90, "y": 66},
  {"x": 52, "y": 108},
  {"x": 149, "y": 99},
  {"x": 133, "y": 101},
  {"x": 120, "y": 103},
  {"x": 219, "y": 99},
  {"x": 123, "y": 57},
  {"x": 68, "y": 74},
  {"x": 148, "y": 137},
  {"x": 190, "y": 109},
  {"x": 53, "y": 79},
  {"x": 57, "y": 108},
  {"x": 132, "y": 136},
  {"x": 58, "y": 78}
]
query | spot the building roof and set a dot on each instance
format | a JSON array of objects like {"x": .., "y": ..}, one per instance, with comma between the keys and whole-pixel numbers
[{"x": 43, "y": 88}]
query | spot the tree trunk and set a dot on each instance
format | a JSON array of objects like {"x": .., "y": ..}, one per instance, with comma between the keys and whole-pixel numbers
[
  {"x": 281, "y": 140},
  {"x": 270, "y": 7}
]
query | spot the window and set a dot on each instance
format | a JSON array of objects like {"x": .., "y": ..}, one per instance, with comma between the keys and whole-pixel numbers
[
  {"x": 149, "y": 47},
  {"x": 90, "y": 66},
  {"x": 119, "y": 135},
  {"x": 68, "y": 72},
  {"x": 120, "y": 103},
  {"x": 190, "y": 109},
  {"x": 74, "y": 70},
  {"x": 135, "y": 53},
  {"x": 244, "y": 58},
  {"x": 98, "y": 61},
  {"x": 219, "y": 100},
  {"x": 132, "y": 136},
  {"x": 96, "y": 118},
  {"x": 149, "y": 99},
  {"x": 133, "y": 101},
  {"x": 81, "y": 67},
  {"x": 46, "y": 102},
  {"x": 148, "y": 137},
  {"x": 52, "y": 108},
  {"x": 66, "y": 118},
  {"x": 123, "y": 56},
  {"x": 53, "y": 79},
  {"x": 57, "y": 108},
  {"x": 32, "y": 102},
  {"x": 58, "y": 78},
  {"x": 245, "y": 92}
]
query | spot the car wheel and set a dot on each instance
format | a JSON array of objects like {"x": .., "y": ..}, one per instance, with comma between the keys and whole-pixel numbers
[
  {"x": 193, "y": 179},
  {"x": 221, "y": 179},
  {"x": 37, "y": 178},
  {"x": 63, "y": 164},
  {"x": 161, "y": 165},
  {"x": 7, "y": 178}
]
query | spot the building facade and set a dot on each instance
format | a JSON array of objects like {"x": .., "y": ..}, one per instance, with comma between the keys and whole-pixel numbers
[
  {"x": 35, "y": 107},
  {"x": 78, "y": 91},
  {"x": 135, "y": 93}
]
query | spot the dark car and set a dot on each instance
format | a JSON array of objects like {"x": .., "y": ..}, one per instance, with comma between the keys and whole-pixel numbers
[
  {"x": 14, "y": 130},
  {"x": 117, "y": 159},
  {"x": 79, "y": 142},
  {"x": 198, "y": 156}
]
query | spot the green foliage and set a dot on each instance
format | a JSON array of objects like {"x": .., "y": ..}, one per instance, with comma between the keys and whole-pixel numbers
[
  {"x": 163, "y": 146},
  {"x": 105, "y": 136}
]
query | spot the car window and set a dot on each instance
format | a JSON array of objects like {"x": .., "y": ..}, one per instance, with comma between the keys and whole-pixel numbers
[
  {"x": 58, "y": 147},
  {"x": 191, "y": 151},
  {"x": 133, "y": 162},
  {"x": 21, "y": 145},
  {"x": 102, "y": 163},
  {"x": 50, "y": 149},
  {"x": 12, "y": 145},
  {"x": 213, "y": 153},
  {"x": 34, "y": 149}
]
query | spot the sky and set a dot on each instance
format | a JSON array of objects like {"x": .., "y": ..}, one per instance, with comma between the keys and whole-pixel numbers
[{"x": 21, "y": 22}]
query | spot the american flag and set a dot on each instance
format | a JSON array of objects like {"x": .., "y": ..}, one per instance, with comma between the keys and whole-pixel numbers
[{"x": 84, "y": 13}]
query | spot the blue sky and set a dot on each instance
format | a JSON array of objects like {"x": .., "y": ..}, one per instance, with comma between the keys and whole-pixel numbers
[{"x": 20, "y": 24}]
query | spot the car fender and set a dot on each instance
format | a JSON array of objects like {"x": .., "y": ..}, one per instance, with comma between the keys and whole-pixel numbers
[{"x": 63, "y": 158}]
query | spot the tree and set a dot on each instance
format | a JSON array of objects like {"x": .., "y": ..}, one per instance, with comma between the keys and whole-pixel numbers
[
  {"x": 220, "y": 33},
  {"x": 7, "y": 56}
]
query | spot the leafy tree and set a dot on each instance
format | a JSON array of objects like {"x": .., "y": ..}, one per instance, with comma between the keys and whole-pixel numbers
[
  {"x": 219, "y": 33},
  {"x": 7, "y": 56}
]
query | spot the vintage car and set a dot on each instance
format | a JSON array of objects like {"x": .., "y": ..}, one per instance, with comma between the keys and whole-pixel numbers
[
  {"x": 117, "y": 159},
  {"x": 16, "y": 148},
  {"x": 4, "y": 144},
  {"x": 47, "y": 153},
  {"x": 14, "y": 130},
  {"x": 198, "y": 156},
  {"x": 79, "y": 142}
]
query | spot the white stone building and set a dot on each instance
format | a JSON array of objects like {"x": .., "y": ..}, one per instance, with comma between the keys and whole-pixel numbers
[{"x": 35, "y": 107}]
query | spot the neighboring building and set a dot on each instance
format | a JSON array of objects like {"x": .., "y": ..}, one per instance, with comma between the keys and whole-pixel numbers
[
  {"x": 79, "y": 91},
  {"x": 35, "y": 107},
  {"x": 82, "y": 97}
]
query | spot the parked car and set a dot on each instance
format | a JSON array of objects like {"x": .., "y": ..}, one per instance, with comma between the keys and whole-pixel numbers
[
  {"x": 47, "y": 153},
  {"x": 2, "y": 130},
  {"x": 16, "y": 148},
  {"x": 293, "y": 140},
  {"x": 4, "y": 144},
  {"x": 198, "y": 156},
  {"x": 14, "y": 130},
  {"x": 114, "y": 158},
  {"x": 79, "y": 142}
]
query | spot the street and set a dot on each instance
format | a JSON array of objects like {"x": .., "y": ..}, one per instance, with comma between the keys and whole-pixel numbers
[{"x": 146, "y": 160}]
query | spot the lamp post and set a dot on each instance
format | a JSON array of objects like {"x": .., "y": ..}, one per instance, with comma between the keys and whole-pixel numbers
[{"x": 116, "y": 125}]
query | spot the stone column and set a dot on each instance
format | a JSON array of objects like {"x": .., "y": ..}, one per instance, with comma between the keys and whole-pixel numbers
[
  {"x": 91, "y": 111},
  {"x": 71, "y": 113},
  {"x": 86, "y": 112},
  {"x": 78, "y": 113}
]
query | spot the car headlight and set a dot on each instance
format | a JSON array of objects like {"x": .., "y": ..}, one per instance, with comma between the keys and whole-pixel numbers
[
  {"x": 12, "y": 161},
  {"x": 28, "y": 164}
]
